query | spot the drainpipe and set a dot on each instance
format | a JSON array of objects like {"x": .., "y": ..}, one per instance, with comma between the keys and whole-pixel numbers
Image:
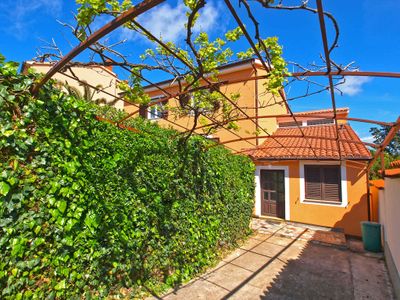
[
  {"x": 368, "y": 196},
  {"x": 255, "y": 96}
]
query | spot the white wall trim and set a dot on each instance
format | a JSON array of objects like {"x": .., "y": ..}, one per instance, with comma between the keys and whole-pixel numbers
[
  {"x": 258, "y": 188},
  {"x": 343, "y": 175}
]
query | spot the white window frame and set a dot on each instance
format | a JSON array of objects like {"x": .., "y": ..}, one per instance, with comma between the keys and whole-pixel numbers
[
  {"x": 154, "y": 111},
  {"x": 257, "y": 204},
  {"x": 343, "y": 183}
]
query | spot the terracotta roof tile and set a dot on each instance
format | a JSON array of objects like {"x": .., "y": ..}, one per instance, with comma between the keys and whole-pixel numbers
[
  {"x": 395, "y": 164},
  {"x": 378, "y": 183},
  {"x": 392, "y": 172},
  {"x": 321, "y": 138}
]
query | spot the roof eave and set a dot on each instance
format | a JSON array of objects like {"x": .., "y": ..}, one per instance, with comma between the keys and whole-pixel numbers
[{"x": 310, "y": 158}]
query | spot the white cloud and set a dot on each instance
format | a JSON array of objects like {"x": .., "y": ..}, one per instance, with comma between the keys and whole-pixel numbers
[
  {"x": 368, "y": 139},
  {"x": 21, "y": 13},
  {"x": 168, "y": 22},
  {"x": 126, "y": 34},
  {"x": 208, "y": 18},
  {"x": 353, "y": 85}
]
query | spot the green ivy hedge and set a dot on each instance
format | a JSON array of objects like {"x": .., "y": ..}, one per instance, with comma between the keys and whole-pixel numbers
[{"x": 90, "y": 210}]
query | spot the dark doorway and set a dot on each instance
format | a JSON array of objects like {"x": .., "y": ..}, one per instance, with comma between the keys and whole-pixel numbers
[{"x": 273, "y": 193}]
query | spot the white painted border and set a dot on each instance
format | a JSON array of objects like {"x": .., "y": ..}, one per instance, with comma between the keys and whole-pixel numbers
[
  {"x": 343, "y": 184},
  {"x": 258, "y": 188}
]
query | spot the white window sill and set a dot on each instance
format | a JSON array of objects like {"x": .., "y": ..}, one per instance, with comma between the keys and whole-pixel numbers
[{"x": 323, "y": 203}]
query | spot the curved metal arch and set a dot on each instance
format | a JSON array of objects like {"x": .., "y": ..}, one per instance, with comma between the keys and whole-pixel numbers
[
  {"x": 97, "y": 35},
  {"x": 148, "y": 4}
]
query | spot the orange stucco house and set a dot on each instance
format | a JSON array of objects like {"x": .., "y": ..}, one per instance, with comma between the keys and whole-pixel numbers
[
  {"x": 253, "y": 100},
  {"x": 307, "y": 180},
  {"x": 297, "y": 179}
]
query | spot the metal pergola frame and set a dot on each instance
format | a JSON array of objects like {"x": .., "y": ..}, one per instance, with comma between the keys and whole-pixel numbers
[{"x": 146, "y": 5}]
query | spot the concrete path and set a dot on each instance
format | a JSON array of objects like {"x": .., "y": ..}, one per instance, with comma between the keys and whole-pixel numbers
[{"x": 286, "y": 262}]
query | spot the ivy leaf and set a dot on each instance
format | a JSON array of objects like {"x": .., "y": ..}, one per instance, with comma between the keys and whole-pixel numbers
[
  {"x": 91, "y": 220},
  {"x": 4, "y": 188},
  {"x": 60, "y": 286},
  {"x": 37, "y": 229},
  {"x": 62, "y": 206}
]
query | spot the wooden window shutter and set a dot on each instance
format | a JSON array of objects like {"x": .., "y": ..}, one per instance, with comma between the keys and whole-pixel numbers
[
  {"x": 331, "y": 183},
  {"x": 313, "y": 187}
]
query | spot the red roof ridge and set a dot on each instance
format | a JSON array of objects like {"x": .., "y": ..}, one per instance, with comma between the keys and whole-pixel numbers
[{"x": 328, "y": 110}]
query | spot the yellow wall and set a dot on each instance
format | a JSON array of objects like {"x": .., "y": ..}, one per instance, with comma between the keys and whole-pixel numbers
[
  {"x": 268, "y": 105},
  {"x": 374, "y": 187},
  {"x": 97, "y": 76},
  {"x": 249, "y": 91},
  {"x": 348, "y": 218}
]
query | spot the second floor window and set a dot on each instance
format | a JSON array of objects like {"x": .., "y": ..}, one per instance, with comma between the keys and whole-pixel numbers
[{"x": 157, "y": 111}]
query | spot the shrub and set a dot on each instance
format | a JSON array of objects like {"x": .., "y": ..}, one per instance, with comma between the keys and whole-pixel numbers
[{"x": 88, "y": 209}]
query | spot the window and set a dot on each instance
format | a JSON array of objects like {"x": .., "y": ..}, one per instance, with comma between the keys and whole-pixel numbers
[
  {"x": 187, "y": 101},
  {"x": 320, "y": 122},
  {"x": 157, "y": 111},
  {"x": 322, "y": 183},
  {"x": 191, "y": 103},
  {"x": 290, "y": 124}
]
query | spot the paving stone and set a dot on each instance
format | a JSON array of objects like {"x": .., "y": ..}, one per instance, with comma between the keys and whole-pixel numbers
[
  {"x": 370, "y": 278},
  {"x": 355, "y": 245},
  {"x": 331, "y": 238},
  {"x": 247, "y": 292},
  {"x": 297, "y": 282},
  {"x": 233, "y": 255},
  {"x": 314, "y": 266},
  {"x": 294, "y": 251},
  {"x": 290, "y": 231},
  {"x": 251, "y": 261},
  {"x": 321, "y": 259},
  {"x": 251, "y": 243},
  {"x": 261, "y": 236},
  {"x": 200, "y": 289},
  {"x": 228, "y": 277},
  {"x": 218, "y": 266},
  {"x": 279, "y": 240},
  {"x": 315, "y": 274},
  {"x": 266, "y": 276},
  {"x": 267, "y": 249}
]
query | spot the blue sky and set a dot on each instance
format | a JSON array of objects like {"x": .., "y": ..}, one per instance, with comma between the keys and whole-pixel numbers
[{"x": 369, "y": 36}]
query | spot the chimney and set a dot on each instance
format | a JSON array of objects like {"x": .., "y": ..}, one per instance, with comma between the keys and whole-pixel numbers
[{"x": 108, "y": 65}]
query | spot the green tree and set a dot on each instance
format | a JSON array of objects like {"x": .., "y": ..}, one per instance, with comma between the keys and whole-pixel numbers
[
  {"x": 379, "y": 135},
  {"x": 191, "y": 66},
  {"x": 375, "y": 169},
  {"x": 391, "y": 152}
]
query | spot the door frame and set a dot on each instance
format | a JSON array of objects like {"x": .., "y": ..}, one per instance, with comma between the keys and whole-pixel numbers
[{"x": 258, "y": 188}]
